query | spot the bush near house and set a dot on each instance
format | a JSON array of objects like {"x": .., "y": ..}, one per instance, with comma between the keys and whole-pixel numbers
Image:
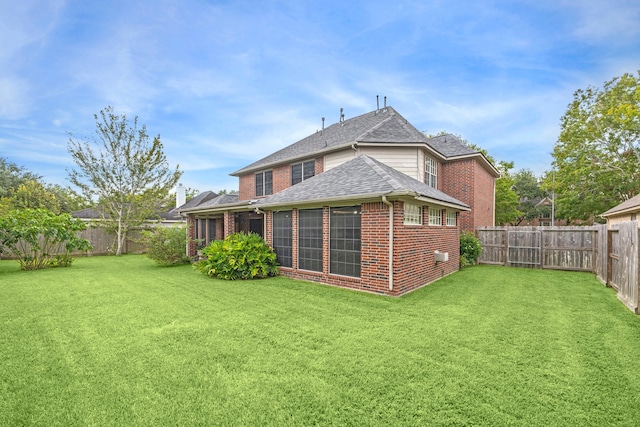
[
  {"x": 38, "y": 238},
  {"x": 239, "y": 256},
  {"x": 166, "y": 245},
  {"x": 470, "y": 249}
]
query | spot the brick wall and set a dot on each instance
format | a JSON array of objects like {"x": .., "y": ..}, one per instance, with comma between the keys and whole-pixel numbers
[
  {"x": 484, "y": 198},
  {"x": 414, "y": 260},
  {"x": 457, "y": 180},
  {"x": 414, "y": 263},
  {"x": 469, "y": 182},
  {"x": 281, "y": 180}
]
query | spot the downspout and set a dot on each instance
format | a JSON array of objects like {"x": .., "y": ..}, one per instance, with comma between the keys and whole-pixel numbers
[
  {"x": 388, "y": 203},
  {"x": 264, "y": 221}
]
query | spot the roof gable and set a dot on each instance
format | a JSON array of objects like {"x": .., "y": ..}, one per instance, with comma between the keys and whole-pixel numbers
[{"x": 378, "y": 126}]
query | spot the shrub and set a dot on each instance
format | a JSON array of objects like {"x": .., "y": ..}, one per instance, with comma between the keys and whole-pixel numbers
[
  {"x": 470, "y": 249},
  {"x": 166, "y": 245},
  {"x": 38, "y": 238},
  {"x": 239, "y": 256}
]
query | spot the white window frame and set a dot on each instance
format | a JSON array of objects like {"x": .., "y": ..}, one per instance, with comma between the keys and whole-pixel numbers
[
  {"x": 435, "y": 216},
  {"x": 412, "y": 214},
  {"x": 451, "y": 219},
  {"x": 431, "y": 172}
]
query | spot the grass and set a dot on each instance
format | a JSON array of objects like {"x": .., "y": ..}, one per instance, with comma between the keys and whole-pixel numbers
[{"x": 120, "y": 341}]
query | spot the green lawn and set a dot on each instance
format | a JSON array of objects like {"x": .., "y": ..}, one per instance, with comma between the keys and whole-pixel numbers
[{"x": 120, "y": 341}]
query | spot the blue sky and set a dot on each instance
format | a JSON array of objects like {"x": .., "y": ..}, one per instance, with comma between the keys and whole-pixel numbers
[{"x": 225, "y": 83}]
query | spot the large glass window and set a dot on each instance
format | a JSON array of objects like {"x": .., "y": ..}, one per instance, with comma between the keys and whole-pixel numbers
[
  {"x": 344, "y": 241},
  {"x": 310, "y": 239},
  {"x": 302, "y": 171},
  {"x": 283, "y": 237},
  {"x": 264, "y": 183},
  {"x": 431, "y": 173}
]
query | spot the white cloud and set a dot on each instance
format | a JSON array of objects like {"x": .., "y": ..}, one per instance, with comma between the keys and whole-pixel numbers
[{"x": 15, "y": 96}]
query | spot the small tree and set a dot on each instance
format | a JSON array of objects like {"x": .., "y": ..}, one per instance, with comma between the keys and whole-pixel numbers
[
  {"x": 167, "y": 245},
  {"x": 122, "y": 172},
  {"x": 239, "y": 256},
  {"x": 38, "y": 238},
  {"x": 470, "y": 249}
]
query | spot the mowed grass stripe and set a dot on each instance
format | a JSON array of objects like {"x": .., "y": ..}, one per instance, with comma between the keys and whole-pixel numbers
[{"x": 121, "y": 341}]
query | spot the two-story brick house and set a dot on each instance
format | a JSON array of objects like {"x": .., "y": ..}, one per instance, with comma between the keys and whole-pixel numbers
[{"x": 368, "y": 203}]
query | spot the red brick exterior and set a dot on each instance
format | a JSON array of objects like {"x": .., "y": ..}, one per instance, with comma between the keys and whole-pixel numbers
[
  {"x": 281, "y": 180},
  {"x": 414, "y": 262},
  {"x": 469, "y": 182},
  {"x": 414, "y": 265},
  {"x": 484, "y": 198}
]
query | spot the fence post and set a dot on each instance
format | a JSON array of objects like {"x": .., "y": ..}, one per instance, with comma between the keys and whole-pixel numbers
[{"x": 506, "y": 246}]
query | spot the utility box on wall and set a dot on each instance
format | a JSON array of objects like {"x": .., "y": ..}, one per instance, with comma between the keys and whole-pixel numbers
[{"x": 441, "y": 256}]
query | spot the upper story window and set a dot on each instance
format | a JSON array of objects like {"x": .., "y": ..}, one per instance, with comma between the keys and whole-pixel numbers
[
  {"x": 302, "y": 171},
  {"x": 431, "y": 173},
  {"x": 264, "y": 183}
]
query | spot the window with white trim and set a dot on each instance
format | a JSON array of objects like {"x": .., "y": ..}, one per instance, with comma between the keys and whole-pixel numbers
[
  {"x": 302, "y": 171},
  {"x": 435, "y": 216},
  {"x": 264, "y": 183},
  {"x": 451, "y": 219},
  {"x": 412, "y": 214},
  {"x": 431, "y": 172}
]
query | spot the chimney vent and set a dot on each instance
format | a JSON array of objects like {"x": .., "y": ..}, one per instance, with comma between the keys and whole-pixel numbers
[{"x": 181, "y": 195}]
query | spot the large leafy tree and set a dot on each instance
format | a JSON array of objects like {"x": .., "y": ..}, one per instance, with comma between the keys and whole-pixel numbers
[
  {"x": 12, "y": 176},
  {"x": 122, "y": 171},
  {"x": 506, "y": 198},
  {"x": 597, "y": 155},
  {"x": 527, "y": 187}
]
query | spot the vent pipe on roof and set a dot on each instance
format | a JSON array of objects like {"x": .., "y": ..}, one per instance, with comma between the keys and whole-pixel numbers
[
  {"x": 341, "y": 115},
  {"x": 323, "y": 123},
  {"x": 377, "y": 103},
  {"x": 385, "y": 102}
]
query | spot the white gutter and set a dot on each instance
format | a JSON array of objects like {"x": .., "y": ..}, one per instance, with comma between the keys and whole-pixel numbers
[{"x": 388, "y": 203}]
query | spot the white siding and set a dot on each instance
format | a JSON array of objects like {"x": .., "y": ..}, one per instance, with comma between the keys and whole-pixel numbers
[
  {"x": 407, "y": 160},
  {"x": 332, "y": 160}
]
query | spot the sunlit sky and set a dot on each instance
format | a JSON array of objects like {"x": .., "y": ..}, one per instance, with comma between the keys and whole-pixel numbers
[{"x": 225, "y": 83}]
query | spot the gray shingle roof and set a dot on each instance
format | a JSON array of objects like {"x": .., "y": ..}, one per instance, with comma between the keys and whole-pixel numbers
[
  {"x": 359, "y": 178},
  {"x": 223, "y": 199},
  {"x": 201, "y": 198},
  {"x": 384, "y": 125},
  {"x": 450, "y": 146}
]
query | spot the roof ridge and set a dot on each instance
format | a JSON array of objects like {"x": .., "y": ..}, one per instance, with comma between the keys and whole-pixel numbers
[{"x": 393, "y": 113}]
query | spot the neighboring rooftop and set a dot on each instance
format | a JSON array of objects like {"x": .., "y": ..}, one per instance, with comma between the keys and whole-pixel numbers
[{"x": 633, "y": 204}]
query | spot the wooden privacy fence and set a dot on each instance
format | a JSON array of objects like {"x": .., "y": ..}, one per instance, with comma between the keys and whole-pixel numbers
[
  {"x": 612, "y": 254},
  {"x": 103, "y": 243},
  {"x": 565, "y": 248}
]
